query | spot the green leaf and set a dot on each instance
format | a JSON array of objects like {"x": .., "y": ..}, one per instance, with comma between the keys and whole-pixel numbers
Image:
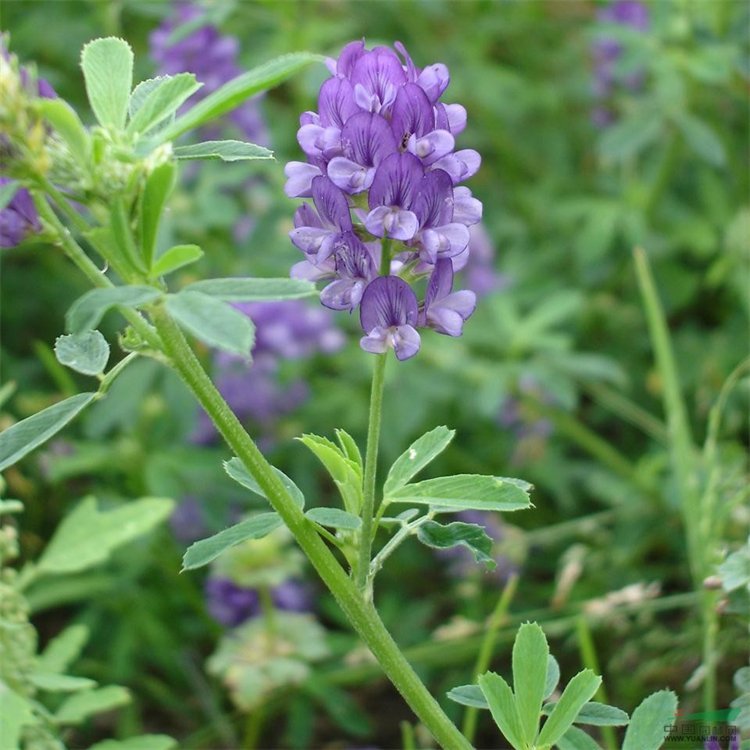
[
  {"x": 15, "y": 713},
  {"x": 80, "y": 706},
  {"x": 66, "y": 122},
  {"x": 203, "y": 552},
  {"x": 86, "y": 537},
  {"x": 22, "y": 437},
  {"x": 646, "y": 730},
  {"x": 158, "y": 186},
  {"x": 142, "y": 742},
  {"x": 7, "y": 191},
  {"x": 469, "y": 535},
  {"x": 86, "y": 352},
  {"x": 464, "y": 492},
  {"x": 349, "y": 447},
  {"x": 416, "y": 457},
  {"x": 335, "y": 518},
  {"x": 60, "y": 683},
  {"x": 553, "y": 676},
  {"x": 468, "y": 695},
  {"x": 702, "y": 139},
  {"x": 88, "y": 310},
  {"x": 596, "y": 714},
  {"x": 576, "y": 694},
  {"x": 735, "y": 570},
  {"x": 63, "y": 650},
  {"x": 238, "y": 90},
  {"x": 108, "y": 71},
  {"x": 155, "y": 100},
  {"x": 502, "y": 707},
  {"x": 576, "y": 739},
  {"x": 346, "y": 474},
  {"x": 237, "y": 471},
  {"x": 253, "y": 290},
  {"x": 174, "y": 258},
  {"x": 530, "y": 656},
  {"x": 630, "y": 135},
  {"x": 224, "y": 150},
  {"x": 213, "y": 322}
]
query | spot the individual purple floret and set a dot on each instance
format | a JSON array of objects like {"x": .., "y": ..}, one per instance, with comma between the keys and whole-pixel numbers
[
  {"x": 383, "y": 174},
  {"x": 292, "y": 596},
  {"x": 19, "y": 218},
  {"x": 389, "y": 315},
  {"x": 210, "y": 56},
  {"x": 445, "y": 310},
  {"x": 607, "y": 51}
]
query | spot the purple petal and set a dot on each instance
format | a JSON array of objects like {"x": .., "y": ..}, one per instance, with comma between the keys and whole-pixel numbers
[
  {"x": 456, "y": 116},
  {"x": 466, "y": 209},
  {"x": 367, "y": 139},
  {"x": 333, "y": 208},
  {"x": 348, "y": 58},
  {"x": 388, "y": 301},
  {"x": 343, "y": 294},
  {"x": 351, "y": 177},
  {"x": 444, "y": 242},
  {"x": 433, "y": 204},
  {"x": 319, "y": 142},
  {"x": 306, "y": 270},
  {"x": 393, "y": 222},
  {"x": 376, "y": 342},
  {"x": 412, "y": 113},
  {"x": 299, "y": 178},
  {"x": 412, "y": 72},
  {"x": 310, "y": 239},
  {"x": 440, "y": 283},
  {"x": 434, "y": 79},
  {"x": 376, "y": 76},
  {"x": 353, "y": 258},
  {"x": 336, "y": 102},
  {"x": 405, "y": 341},
  {"x": 448, "y": 315},
  {"x": 396, "y": 181},
  {"x": 305, "y": 216},
  {"x": 461, "y": 165},
  {"x": 433, "y": 146}
]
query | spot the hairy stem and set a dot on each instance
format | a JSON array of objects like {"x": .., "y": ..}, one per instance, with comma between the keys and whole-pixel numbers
[
  {"x": 371, "y": 465},
  {"x": 360, "y": 613}
]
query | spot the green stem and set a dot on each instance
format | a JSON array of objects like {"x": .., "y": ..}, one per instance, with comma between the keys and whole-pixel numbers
[
  {"x": 487, "y": 648},
  {"x": 371, "y": 461},
  {"x": 360, "y": 613}
]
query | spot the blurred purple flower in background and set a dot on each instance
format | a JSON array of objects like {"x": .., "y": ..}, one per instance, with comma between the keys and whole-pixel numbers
[
  {"x": 382, "y": 145},
  {"x": 608, "y": 51},
  {"x": 231, "y": 604},
  {"x": 19, "y": 218},
  {"x": 286, "y": 330},
  {"x": 182, "y": 44}
]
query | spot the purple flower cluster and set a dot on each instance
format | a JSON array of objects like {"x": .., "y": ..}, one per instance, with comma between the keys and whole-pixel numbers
[
  {"x": 607, "y": 52},
  {"x": 382, "y": 146},
  {"x": 231, "y": 604},
  {"x": 283, "y": 330},
  {"x": 19, "y": 218},
  {"x": 209, "y": 55}
]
